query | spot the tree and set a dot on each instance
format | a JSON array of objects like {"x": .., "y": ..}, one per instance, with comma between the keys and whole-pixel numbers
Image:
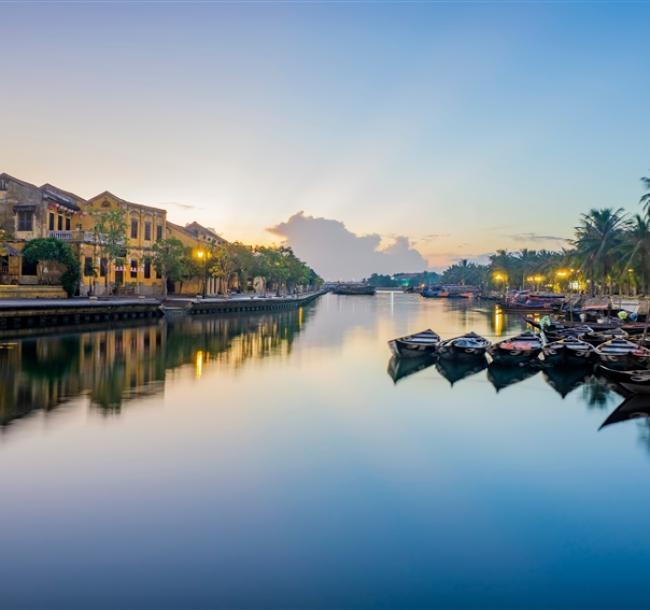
[
  {"x": 50, "y": 249},
  {"x": 168, "y": 260},
  {"x": 636, "y": 250},
  {"x": 645, "y": 198},
  {"x": 222, "y": 264},
  {"x": 111, "y": 236},
  {"x": 598, "y": 238}
]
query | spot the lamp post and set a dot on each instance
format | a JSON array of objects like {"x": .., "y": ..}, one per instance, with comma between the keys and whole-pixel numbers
[{"x": 203, "y": 260}]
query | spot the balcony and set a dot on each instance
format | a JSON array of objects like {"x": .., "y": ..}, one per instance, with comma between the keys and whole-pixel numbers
[{"x": 62, "y": 235}]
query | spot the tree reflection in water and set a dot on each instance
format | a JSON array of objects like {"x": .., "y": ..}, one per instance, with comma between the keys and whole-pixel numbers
[{"x": 115, "y": 365}]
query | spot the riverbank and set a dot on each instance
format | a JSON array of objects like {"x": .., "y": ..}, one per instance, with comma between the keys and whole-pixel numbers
[{"x": 19, "y": 314}]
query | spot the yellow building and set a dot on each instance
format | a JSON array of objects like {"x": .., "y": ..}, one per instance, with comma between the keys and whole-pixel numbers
[{"x": 132, "y": 273}]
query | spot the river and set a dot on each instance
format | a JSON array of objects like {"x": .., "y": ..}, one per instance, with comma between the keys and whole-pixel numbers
[{"x": 272, "y": 461}]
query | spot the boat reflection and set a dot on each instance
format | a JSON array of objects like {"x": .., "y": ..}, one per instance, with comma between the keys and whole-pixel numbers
[
  {"x": 501, "y": 376},
  {"x": 635, "y": 406},
  {"x": 455, "y": 370},
  {"x": 398, "y": 368},
  {"x": 565, "y": 380}
]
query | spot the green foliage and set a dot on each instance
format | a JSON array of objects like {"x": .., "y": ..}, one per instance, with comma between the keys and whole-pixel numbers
[
  {"x": 466, "y": 273},
  {"x": 168, "y": 259},
  {"x": 110, "y": 234},
  {"x": 50, "y": 249},
  {"x": 385, "y": 281}
]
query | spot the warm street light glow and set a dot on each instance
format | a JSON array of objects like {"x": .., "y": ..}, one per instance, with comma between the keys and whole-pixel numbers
[
  {"x": 500, "y": 277},
  {"x": 562, "y": 273},
  {"x": 200, "y": 254}
]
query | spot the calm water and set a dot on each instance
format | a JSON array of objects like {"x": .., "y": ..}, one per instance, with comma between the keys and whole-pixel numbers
[{"x": 273, "y": 462}]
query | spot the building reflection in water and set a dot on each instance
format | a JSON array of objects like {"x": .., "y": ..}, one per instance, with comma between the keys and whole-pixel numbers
[{"x": 114, "y": 366}]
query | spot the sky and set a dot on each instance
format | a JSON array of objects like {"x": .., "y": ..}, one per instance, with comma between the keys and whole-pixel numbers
[{"x": 418, "y": 133}]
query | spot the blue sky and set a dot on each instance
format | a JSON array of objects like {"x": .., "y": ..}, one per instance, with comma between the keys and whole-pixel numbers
[{"x": 463, "y": 126}]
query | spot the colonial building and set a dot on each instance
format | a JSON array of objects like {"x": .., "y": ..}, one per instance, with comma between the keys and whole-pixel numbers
[
  {"x": 28, "y": 212},
  {"x": 134, "y": 271}
]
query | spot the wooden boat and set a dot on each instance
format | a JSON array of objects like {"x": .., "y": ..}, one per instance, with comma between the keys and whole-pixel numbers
[
  {"x": 425, "y": 342},
  {"x": 569, "y": 351},
  {"x": 434, "y": 292},
  {"x": 469, "y": 345},
  {"x": 455, "y": 370},
  {"x": 501, "y": 376},
  {"x": 354, "y": 289},
  {"x": 518, "y": 350},
  {"x": 636, "y": 382},
  {"x": 398, "y": 368},
  {"x": 559, "y": 332},
  {"x": 599, "y": 337},
  {"x": 622, "y": 354}
]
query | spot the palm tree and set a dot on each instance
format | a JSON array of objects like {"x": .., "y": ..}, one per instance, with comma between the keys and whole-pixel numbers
[
  {"x": 636, "y": 249},
  {"x": 597, "y": 238},
  {"x": 645, "y": 198}
]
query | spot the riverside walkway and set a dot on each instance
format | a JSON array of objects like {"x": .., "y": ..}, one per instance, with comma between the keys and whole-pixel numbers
[{"x": 19, "y": 314}]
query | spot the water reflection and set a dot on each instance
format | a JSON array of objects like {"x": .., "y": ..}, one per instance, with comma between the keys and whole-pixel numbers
[
  {"x": 501, "y": 376},
  {"x": 120, "y": 364}
]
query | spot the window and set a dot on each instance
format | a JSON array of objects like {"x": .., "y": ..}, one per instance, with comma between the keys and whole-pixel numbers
[
  {"x": 103, "y": 267},
  {"x": 147, "y": 231},
  {"x": 147, "y": 268},
  {"x": 3, "y": 184},
  {"x": 134, "y": 268},
  {"x": 68, "y": 222},
  {"x": 134, "y": 228},
  {"x": 88, "y": 266},
  {"x": 28, "y": 268},
  {"x": 25, "y": 221},
  {"x": 159, "y": 232},
  {"x": 51, "y": 222},
  {"x": 59, "y": 224}
]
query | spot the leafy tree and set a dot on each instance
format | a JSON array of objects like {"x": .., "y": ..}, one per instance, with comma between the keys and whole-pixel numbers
[
  {"x": 50, "y": 249},
  {"x": 222, "y": 264},
  {"x": 168, "y": 260},
  {"x": 111, "y": 235}
]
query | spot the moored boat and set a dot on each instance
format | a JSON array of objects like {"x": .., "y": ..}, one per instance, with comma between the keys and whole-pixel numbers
[
  {"x": 352, "y": 289},
  {"x": 637, "y": 382},
  {"x": 598, "y": 337},
  {"x": 469, "y": 345},
  {"x": 518, "y": 350},
  {"x": 569, "y": 351},
  {"x": 418, "y": 344},
  {"x": 623, "y": 355}
]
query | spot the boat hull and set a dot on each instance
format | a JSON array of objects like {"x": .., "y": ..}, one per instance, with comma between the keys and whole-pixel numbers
[
  {"x": 624, "y": 362},
  {"x": 563, "y": 356},
  {"x": 403, "y": 349},
  {"x": 513, "y": 357},
  {"x": 455, "y": 352}
]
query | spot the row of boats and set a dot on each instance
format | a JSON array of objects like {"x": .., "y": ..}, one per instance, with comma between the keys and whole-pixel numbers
[{"x": 623, "y": 358}]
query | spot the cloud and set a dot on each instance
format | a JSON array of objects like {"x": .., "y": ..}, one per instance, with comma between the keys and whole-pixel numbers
[
  {"x": 535, "y": 237},
  {"x": 184, "y": 206},
  {"x": 337, "y": 253}
]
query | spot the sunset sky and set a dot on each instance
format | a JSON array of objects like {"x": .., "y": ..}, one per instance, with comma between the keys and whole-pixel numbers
[{"x": 463, "y": 127}]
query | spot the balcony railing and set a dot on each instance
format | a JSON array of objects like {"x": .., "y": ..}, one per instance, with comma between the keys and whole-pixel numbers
[{"x": 62, "y": 235}]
